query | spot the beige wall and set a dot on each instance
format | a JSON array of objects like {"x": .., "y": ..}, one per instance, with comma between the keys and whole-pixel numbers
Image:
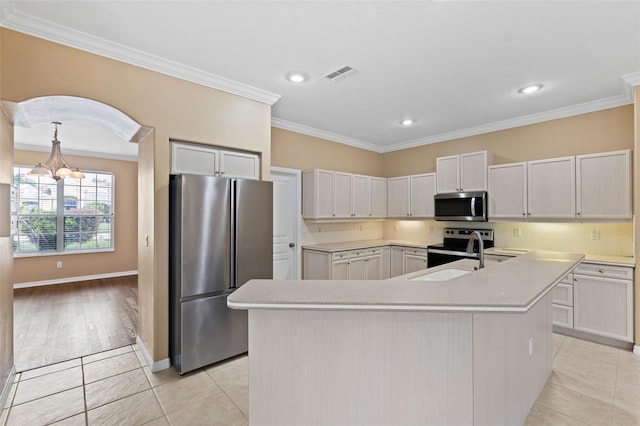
[
  {"x": 123, "y": 258},
  {"x": 6, "y": 256},
  {"x": 174, "y": 108},
  {"x": 606, "y": 130},
  {"x": 298, "y": 151}
]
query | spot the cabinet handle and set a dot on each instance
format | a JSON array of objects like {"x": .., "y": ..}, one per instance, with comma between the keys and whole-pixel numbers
[
  {"x": 524, "y": 214},
  {"x": 575, "y": 279},
  {"x": 334, "y": 214},
  {"x": 578, "y": 214},
  {"x": 222, "y": 172},
  {"x": 529, "y": 214},
  {"x": 601, "y": 271}
]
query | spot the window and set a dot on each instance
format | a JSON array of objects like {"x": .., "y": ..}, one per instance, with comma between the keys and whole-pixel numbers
[{"x": 67, "y": 215}]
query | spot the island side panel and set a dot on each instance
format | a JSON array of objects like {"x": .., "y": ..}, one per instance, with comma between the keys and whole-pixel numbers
[
  {"x": 360, "y": 368},
  {"x": 507, "y": 380}
]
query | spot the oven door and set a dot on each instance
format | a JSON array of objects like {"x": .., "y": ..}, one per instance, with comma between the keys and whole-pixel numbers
[{"x": 437, "y": 257}]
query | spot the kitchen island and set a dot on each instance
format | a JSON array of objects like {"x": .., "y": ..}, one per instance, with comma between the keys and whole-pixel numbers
[{"x": 475, "y": 349}]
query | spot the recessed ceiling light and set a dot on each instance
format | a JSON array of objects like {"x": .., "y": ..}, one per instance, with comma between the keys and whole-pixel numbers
[
  {"x": 532, "y": 88},
  {"x": 407, "y": 122},
  {"x": 297, "y": 77}
]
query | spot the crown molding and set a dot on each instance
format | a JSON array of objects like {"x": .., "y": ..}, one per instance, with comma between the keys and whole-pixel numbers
[
  {"x": 322, "y": 134},
  {"x": 553, "y": 114},
  {"x": 24, "y": 23},
  {"x": 79, "y": 153}
]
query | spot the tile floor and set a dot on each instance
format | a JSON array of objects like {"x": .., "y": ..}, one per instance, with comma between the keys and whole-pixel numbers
[{"x": 591, "y": 384}]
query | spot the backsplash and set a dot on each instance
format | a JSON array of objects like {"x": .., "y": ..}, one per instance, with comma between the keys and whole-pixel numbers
[
  {"x": 610, "y": 238},
  {"x": 614, "y": 239},
  {"x": 335, "y": 232}
]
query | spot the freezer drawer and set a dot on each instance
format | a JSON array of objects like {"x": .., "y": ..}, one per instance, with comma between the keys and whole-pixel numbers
[{"x": 209, "y": 332}]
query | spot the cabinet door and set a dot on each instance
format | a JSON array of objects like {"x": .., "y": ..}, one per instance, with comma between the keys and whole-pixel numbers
[
  {"x": 398, "y": 196},
  {"x": 340, "y": 269},
  {"x": 374, "y": 267},
  {"x": 358, "y": 268},
  {"x": 239, "y": 165},
  {"x": 603, "y": 185},
  {"x": 397, "y": 261},
  {"x": 508, "y": 191},
  {"x": 603, "y": 306},
  {"x": 317, "y": 265},
  {"x": 414, "y": 263},
  {"x": 551, "y": 188},
  {"x": 377, "y": 197},
  {"x": 385, "y": 263},
  {"x": 342, "y": 193},
  {"x": 317, "y": 194},
  {"x": 360, "y": 196},
  {"x": 422, "y": 190},
  {"x": 473, "y": 171},
  {"x": 191, "y": 159},
  {"x": 448, "y": 174}
]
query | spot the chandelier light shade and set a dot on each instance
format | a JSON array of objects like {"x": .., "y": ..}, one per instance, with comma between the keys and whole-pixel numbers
[{"x": 56, "y": 167}]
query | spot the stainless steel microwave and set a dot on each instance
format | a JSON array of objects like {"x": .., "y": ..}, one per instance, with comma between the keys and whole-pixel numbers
[{"x": 461, "y": 206}]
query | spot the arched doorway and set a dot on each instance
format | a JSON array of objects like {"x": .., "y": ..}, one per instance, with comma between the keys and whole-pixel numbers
[{"x": 38, "y": 111}]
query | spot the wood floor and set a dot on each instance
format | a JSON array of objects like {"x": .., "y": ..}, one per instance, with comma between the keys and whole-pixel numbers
[{"x": 60, "y": 322}]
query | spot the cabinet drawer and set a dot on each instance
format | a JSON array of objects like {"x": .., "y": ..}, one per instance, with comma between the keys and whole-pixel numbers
[
  {"x": 568, "y": 279},
  {"x": 416, "y": 251},
  {"x": 563, "y": 294},
  {"x": 375, "y": 250},
  {"x": 357, "y": 253},
  {"x": 562, "y": 316},
  {"x": 599, "y": 270},
  {"x": 340, "y": 255}
]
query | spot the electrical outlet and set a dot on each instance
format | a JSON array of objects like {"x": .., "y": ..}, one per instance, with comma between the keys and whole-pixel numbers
[
  {"x": 517, "y": 232},
  {"x": 395, "y": 227},
  {"x": 58, "y": 264},
  {"x": 361, "y": 227},
  {"x": 530, "y": 346},
  {"x": 595, "y": 234},
  {"x": 431, "y": 229}
]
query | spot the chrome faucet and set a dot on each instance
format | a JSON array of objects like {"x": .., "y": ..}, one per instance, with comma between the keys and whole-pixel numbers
[{"x": 475, "y": 235}]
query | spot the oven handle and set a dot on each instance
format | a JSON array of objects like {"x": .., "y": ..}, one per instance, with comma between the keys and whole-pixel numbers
[
  {"x": 451, "y": 253},
  {"x": 473, "y": 206}
]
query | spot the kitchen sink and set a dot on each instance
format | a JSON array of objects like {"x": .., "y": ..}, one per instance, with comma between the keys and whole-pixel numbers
[{"x": 441, "y": 275}]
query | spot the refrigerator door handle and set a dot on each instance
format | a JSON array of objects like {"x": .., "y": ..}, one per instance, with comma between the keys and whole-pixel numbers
[{"x": 234, "y": 235}]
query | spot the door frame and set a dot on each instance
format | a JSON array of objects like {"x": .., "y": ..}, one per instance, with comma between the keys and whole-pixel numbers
[{"x": 297, "y": 175}]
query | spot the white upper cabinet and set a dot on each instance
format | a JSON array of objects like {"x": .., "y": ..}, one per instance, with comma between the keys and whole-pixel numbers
[
  {"x": 411, "y": 196},
  {"x": 422, "y": 190},
  {"x": 328, "y": 194},
  {"x": 204, "y": 160},
  {"x": 464, "y": 172},
  {"x": 360, "y": 196},
  {"x": 343, "y": 192},
  {"x": 508, "y": 191},
  {"x": 398, "y": 196},
  {"x": 377, "y": 197},
  {"x": 551, "y": 188},
  {"x": 317, "y": 194},
  {"x": 603, "y": 185}
]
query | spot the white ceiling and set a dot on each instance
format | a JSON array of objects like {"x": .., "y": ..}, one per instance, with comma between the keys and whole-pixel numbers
[{"x": 454, "y": 66}]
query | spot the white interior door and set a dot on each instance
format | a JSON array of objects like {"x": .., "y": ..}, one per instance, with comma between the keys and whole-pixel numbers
[{"x": 286, "y": 223}]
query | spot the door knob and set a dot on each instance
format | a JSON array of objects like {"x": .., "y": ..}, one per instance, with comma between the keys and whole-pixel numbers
[{"x": 292, "y": 245}]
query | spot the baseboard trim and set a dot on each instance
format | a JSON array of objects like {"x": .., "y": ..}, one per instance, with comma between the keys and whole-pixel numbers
[
  {"x": 636, "y": 350},
  {"x": 163, "y": 364},
  {"x": 6, "y": 388},
  {"x": 75, "y": 279}
]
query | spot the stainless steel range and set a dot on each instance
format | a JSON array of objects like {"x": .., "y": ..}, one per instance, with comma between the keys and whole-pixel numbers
[{"x": 454, "y": 246}]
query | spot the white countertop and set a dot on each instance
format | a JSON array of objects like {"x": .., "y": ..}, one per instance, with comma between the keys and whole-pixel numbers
[
  {"x": 514, "y": 285},
  {"x": 355, "y": 245},
  {"x": 588, "y": 257}
]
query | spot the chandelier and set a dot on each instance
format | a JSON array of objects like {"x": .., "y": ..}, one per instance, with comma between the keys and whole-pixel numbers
[{"x": 55, "y": 166}]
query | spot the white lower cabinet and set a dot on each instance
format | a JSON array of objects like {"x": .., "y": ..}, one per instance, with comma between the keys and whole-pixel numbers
[
  {"x": 604, "y": 305},
  {"x": 372, "y": 263},
  {"x": 415, "y": 260},
  {"x": 596, "y": 299},
  {"x": 562, "y": 299}
]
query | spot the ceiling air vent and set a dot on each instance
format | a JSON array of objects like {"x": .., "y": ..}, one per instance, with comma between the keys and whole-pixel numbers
[{"x": 342, "y": 73}]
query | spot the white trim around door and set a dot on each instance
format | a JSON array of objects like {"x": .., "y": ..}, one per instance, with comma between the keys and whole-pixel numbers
[{"x": 294, "y": 209}]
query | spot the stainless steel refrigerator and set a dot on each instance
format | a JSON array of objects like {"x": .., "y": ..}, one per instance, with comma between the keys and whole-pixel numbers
[{"x": 220, "y": 237}]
